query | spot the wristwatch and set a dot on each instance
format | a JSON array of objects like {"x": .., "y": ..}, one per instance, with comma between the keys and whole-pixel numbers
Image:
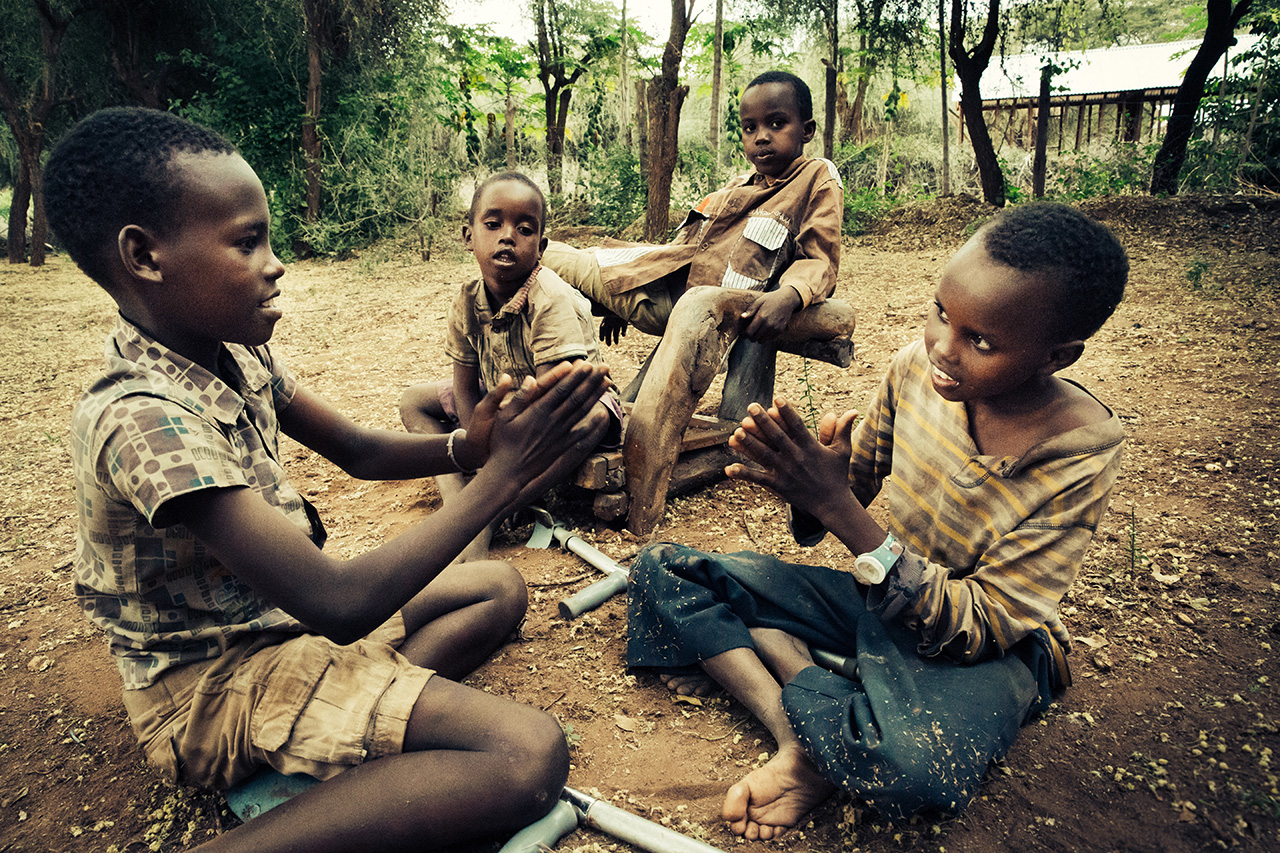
[{"x": 873, "y": 567}]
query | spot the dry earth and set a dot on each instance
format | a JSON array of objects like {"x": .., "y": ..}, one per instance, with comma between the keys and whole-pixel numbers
[{"x": 1166, "y": 742}]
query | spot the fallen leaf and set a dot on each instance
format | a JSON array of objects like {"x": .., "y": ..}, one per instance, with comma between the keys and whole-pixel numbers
[
  {"x": 688, "y": 700},
  {"x": 1091, "y": 642},
  {"x": 625, "y": 723}
]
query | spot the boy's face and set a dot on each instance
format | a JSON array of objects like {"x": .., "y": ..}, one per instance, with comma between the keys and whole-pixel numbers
[
  {"x": 218, "y": 275},
  {"x": 989, "y": 335},
  {"x": 506, "y": 235},
  {"x": 773, "y": 134}
]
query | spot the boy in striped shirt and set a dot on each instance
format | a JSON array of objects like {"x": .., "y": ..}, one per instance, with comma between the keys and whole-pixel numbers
[{"x": 1000, "y": 470}]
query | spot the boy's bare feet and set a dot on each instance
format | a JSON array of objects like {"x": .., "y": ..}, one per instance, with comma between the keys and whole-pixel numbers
[
  {"x": 773, "y": 798},
  {"x": 690, "y": 684},
  {"x": 783, "y": 654}
]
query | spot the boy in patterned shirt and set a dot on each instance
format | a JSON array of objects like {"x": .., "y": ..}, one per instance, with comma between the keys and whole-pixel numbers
[
  {"x": 241, "y": 644},
  {"x": 997, "y": 473}
]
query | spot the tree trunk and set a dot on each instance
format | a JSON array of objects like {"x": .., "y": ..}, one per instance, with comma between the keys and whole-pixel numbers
[
  {"x": 28, "y": 129},
  {"x": 969, "y": 67},
  {"x": 831, "y": 79},
  {"x": 717, "y": 62},
  {"x": 1039, "y": 163},
  {"x": 946, "y": 107},
  {"x": 858, "y": 113},
  {"x": 624, "y": 82},
  {"x": 642, "y": 121},
  {"x": 511, "y": 129},
  {"x": 557, "y": 110},
  {"x": 1218, "y": 36},
  {"x": 829, "y": 123},
  {"x": 311, "y": 149},
  {"x": 666, "y": 98},
  {"x": 18, "y": 207}
]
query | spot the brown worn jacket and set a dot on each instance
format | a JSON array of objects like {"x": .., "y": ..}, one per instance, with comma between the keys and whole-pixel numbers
[{"x": 749, "y": 234}]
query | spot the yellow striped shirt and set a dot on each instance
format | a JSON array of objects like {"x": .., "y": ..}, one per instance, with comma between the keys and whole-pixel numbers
[{"x": 992, "y": 543}]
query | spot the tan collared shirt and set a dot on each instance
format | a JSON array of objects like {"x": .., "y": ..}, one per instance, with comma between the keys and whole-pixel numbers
[
  {"x": 546, "y": 322},
  {"x": 751, "y": 233}
]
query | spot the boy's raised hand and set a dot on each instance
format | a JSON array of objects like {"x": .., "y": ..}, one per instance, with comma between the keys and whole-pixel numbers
[
  {"x": 536, "y": 425},
  {"x": 802, "y": 470},
  {"x": 770, "y": 313}
]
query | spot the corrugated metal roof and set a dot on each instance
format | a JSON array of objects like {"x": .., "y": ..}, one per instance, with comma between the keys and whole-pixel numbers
[{"x": 1113, "y": 69}]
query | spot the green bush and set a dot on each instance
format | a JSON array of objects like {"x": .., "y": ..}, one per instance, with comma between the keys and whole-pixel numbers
[
  {"x": 1119, "y": 169},
  {"x": 617, "y": 191},
  {"x": 862, "y": 207}
]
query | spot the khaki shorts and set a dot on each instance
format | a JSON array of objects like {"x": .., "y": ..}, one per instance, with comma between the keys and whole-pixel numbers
[
  {"x": 297, "y": 702},
  {"x": 647, "y": 307}
]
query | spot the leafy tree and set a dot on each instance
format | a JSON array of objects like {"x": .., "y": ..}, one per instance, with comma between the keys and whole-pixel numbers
[
  {"x": 969, "y": 64},
  {"x": 821, "y": 17},
  {"x": 144, "y": 41},
  {"x": 1219, "y": 34},
  {"x": 569, "y": 39},
  {"x": 665, "y": 96},
  {"x": 884, "y": 29},
  {"x": 335, "y": 31},
  {"x": 1053, "y": 26},
  {"x": 31, "y": 87}
]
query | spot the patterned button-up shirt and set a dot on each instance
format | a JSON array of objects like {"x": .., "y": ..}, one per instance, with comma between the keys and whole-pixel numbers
[{"x": 155, "y": 426}]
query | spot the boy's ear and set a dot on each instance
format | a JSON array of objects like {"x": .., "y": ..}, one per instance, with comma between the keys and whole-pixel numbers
[
  {"x": 137, "y": 248},
  {"x": 810, "y": 128},
  {"x": 466, "y": 236},
  {"x": 542, "y": 247},
  {"x": 1063, "y": 355}
]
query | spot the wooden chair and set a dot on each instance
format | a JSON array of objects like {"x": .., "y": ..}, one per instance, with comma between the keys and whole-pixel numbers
[{"x": 668, "y": 449}]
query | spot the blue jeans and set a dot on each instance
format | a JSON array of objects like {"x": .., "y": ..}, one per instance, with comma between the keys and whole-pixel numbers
[{"x": 911, "y": 733}]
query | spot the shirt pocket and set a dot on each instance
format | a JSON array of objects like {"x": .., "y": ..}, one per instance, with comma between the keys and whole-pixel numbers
[{"x": 757, "y": 257}]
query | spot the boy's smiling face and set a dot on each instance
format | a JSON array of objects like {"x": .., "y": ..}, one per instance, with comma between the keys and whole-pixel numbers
[
  {"x": 213, "y": 276},
  {"x": 773, "y": 134},
  {"x": 506, "y": 236},
  {"x": 989, "y": 336}
]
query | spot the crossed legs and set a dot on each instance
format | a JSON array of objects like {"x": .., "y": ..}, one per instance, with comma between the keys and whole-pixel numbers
[{"x": 473, "y": 764}]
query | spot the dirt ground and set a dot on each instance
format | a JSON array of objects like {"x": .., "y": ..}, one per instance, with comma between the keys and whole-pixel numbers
[{"x": 1166, "y": 742}]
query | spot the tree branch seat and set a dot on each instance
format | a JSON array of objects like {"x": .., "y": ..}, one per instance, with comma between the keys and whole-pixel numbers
[{"x": 670, "y": 450}]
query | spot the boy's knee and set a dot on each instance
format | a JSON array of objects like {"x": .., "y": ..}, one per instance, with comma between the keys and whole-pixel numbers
[
  {"x": 504, "y": 585},
  {"x": 413, "y": 404},
  {"x": 540, "y": 767}
]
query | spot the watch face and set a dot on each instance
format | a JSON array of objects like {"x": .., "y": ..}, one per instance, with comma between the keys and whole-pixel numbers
[{"x": 868, "y": 570}]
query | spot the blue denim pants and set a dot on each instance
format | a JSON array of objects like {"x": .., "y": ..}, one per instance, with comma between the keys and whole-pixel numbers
[{"x": 911, "y": 733}]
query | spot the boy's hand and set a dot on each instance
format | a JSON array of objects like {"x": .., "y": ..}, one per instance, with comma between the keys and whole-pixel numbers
[
  {"x": 473, "y": 451},
  {"x": 770, "y": 313},
  {"x": 612, "y": 328},
  {"x": 544, "y": 419},
  {"x": 800, "y": 469}
]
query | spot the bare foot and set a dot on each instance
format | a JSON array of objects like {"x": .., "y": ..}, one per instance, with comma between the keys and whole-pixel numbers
[
  {"x": 690, "y": 684},
  {"x": 773, "y": 798},
  {"x": 783, "y": 654}
]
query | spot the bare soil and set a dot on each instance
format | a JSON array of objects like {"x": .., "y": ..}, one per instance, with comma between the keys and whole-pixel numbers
[{"x": 1166, "y": 742}]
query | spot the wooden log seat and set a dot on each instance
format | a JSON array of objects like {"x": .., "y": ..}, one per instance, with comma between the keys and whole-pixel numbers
[{"x": 667, "y": 449}]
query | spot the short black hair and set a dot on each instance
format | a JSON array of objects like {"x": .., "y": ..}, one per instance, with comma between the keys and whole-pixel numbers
[
  {"x": 804, "y": 98},
  {"x": 1077, "y": 254},
  {"x": 518, "y": 177},
  {"x": 113, "y": 169}
]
